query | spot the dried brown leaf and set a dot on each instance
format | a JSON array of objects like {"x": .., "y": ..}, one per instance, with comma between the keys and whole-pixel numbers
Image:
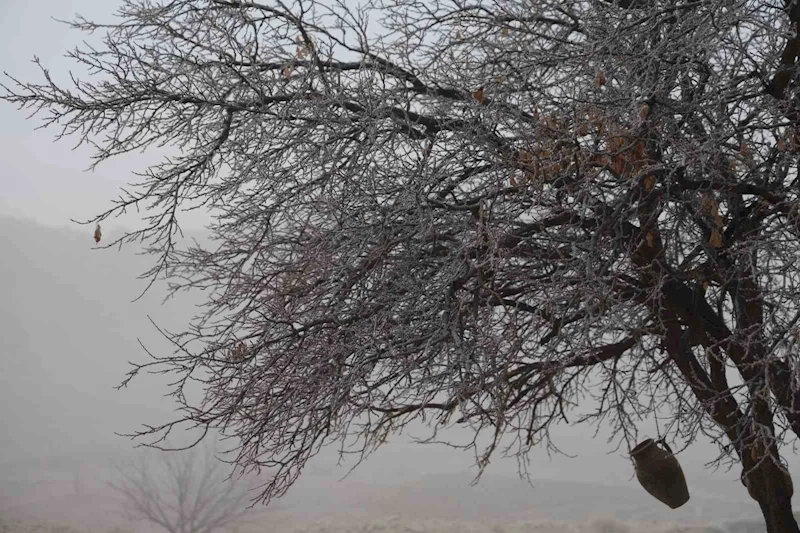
[
  {"x": 599, "y": 79},
  {"x": 744, "y": 149},
  {"x": 715, "y": 240}
]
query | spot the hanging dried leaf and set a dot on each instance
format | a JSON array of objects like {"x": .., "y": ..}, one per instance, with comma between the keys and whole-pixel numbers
[
  {"x": 744, "y": 149},
  {"x": 616, "y": 143},
  {"x": 715, "y": 240},
  {"x": 500, "y": 79},
  {"x": 239, "y": 353},
  {"x": 639, "y": 157},
  {"x": 650, "y": 239},
  {"x": 644, "y": 111},
  {"x": 601, "y": 127},
  {"x": 714, "y": 209},
  {"x": 599, "y": 160},
  {"x": 710, "y": 206},
  {"x": 301, "y": 52},
  {"x": 505, "y": 32},
  {"x": 794, "y": 142},
  {"x": 781, "y": 145},
  {"x": 649, "y": 183},
  {"x": 530, "y": 165},
  {"x": 513, "y": 180},
  {"x": 707, "y": 203},
  {"x": 479, "y": 95},
  {"x": 618, "y": 165},
  {"x": 599, "y": 79},
  {"x": 458, "y": 34},
  {"x": 582, "y": 129},
  {"x": 549, "y": 171},
  {"x": 97, "y": 234},
  {"x": 287, "y": 72}
]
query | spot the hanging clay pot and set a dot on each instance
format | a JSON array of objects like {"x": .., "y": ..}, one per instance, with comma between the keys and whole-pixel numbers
[{"x": 660, "y": 474}]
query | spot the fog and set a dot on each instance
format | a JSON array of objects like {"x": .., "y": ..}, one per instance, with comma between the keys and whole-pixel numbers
[{"x": 70, "y": 326}]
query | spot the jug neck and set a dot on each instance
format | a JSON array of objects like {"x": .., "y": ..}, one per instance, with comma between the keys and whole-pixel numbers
[{"x": 646, "y": 446}]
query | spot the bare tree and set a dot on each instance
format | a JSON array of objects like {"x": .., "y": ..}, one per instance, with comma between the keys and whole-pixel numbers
[
  {"x": 507, "y": 213},
  {"x": 185, "y": 492}
]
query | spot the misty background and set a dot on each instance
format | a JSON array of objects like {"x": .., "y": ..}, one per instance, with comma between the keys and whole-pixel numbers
[{"x": 69, "y": 326}]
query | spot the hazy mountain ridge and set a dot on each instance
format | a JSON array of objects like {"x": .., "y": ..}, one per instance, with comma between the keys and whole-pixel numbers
[{"x": 60, "y": 297}]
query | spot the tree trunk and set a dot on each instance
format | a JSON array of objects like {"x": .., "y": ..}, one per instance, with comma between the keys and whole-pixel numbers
[
  {"x": 779, "y": 518},
  {"x": 772, "y": 488}
]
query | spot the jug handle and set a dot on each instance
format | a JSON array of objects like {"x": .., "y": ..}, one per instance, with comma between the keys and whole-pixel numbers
[{"x": 663, "y": 442}]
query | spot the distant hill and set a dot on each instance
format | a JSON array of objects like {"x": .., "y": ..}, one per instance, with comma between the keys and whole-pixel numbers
[
  {"x": 67, "y": 330},
  {"x": 52, "y": 494},
  {"x": 509, "y": 498}
]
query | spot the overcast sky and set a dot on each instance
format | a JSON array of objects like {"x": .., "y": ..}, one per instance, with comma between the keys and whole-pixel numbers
[
  {"x": 47, "y": 182},
  {"x": 40, "y": 178}
]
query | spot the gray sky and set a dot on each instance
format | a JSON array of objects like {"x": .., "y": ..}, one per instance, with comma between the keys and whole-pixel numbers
[
  {"x": 46, "y": 182},
  {"x": 42, "y": 179}
]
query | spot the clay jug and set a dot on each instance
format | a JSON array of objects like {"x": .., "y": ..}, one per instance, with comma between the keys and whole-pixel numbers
[{"x": 660, "y": 474}]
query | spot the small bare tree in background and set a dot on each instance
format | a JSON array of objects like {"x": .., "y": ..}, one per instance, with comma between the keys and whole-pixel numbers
[{"x": 186, "y": 492}]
